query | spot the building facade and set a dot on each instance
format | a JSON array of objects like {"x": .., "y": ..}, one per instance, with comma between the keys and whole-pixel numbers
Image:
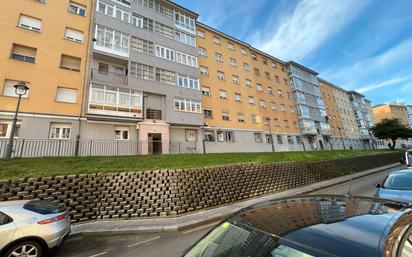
[
  {"x": 144, "y": 81},
  {"x": 362, "y": 109},
  {"x": 392, "y": 111},
  {"x": 409, "y": 113},
  {"x": 45, "y": 47}
]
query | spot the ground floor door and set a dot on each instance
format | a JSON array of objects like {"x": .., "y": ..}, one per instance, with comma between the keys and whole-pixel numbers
[
  {"x": 322, "y": 147},
  {"x": 155, "y": 143}
]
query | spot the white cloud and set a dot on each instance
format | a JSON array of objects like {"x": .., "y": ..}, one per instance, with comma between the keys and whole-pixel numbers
[
  {"x": 386, "y": 83},
  {"x": 308, "y": 27}
]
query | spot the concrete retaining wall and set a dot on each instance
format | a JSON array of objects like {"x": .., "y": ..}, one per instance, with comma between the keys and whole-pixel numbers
[{"x": 174, "y": 192}]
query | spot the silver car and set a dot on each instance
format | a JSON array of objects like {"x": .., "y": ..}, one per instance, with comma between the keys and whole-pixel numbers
[
  {"x": 32, "y": 228},
  {"x": 397, "y": 186}
]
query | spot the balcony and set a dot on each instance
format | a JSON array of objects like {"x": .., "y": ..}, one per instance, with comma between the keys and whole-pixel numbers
[
  {"x": 109, "y": 77},
  {"x": 325, "y": 132},
  {"x": 153, "y": 114},
  {"x": 309, "y": 131}
]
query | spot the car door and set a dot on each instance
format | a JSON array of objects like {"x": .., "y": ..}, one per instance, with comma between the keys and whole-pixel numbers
[{"x": 7, "y": 229}]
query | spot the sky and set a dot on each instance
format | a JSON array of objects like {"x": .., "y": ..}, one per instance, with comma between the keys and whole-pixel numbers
[{"x": 363, "y": 45}]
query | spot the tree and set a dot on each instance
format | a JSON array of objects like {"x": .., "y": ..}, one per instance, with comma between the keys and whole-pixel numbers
[{"x": 391, "y": 129}]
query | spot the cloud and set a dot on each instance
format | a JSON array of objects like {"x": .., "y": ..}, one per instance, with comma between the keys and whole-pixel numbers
[
  {"x": 311, "y": 24},
  {"x": 386, "y": 83}
]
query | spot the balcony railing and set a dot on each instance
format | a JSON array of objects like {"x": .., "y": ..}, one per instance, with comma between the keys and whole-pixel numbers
[
  {"x": 309, "y": 131},
  {"x": 109, "y": 77}
]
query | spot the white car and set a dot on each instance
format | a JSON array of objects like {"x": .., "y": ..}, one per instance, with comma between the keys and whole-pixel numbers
[{"x": 32, "y": 228}]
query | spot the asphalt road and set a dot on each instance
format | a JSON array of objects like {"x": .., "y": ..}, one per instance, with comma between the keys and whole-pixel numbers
[{"x": 173, "y": 244}]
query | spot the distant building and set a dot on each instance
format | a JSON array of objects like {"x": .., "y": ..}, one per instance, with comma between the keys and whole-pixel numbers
[{"x": 393, "y": 111}]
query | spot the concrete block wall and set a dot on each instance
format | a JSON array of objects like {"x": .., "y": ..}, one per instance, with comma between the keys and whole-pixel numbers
[{"x": 174, "y": 192}]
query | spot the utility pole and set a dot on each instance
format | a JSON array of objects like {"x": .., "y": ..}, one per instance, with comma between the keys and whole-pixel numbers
[
  {"x": 341, "y": 137},
  {"x": 271, "y": 136}
]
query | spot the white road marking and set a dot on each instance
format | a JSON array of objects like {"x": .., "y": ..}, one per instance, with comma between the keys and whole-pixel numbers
[
  {"x": 200, "y": 228},
  {"x": 98, "y": 254},
  {"x": 144, "y": 241}
]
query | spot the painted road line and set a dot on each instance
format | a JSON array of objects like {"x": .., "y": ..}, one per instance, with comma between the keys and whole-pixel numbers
[
  {"x": 200, "y": 228},
  {"x": 98, "y": 254},
  {"x": 144, "y": 241}
]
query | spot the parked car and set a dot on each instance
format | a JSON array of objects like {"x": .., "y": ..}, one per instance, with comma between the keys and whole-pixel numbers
[
  {"x": 397, "y": 186},
  {"x": 313, "y": 226},
  {"x": 32, "y": 228}
]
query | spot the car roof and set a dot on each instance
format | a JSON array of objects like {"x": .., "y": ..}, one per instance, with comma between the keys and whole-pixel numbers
[
  {"x": 13, "y": 203},
  {"x": 405, "y": 171},
  {"x": 336, "y": 225}
]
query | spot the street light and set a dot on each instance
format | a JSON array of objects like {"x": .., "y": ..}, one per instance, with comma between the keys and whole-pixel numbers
[
  {"x": 271, "y": 136},
  {"x": 341, "y": 137},
  {"x": 20, "y": 89},
  {"x": 203, "y": 137}
]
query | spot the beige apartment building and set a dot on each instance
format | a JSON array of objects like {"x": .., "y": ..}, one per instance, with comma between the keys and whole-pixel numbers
[{"x": 391, "y": 111}]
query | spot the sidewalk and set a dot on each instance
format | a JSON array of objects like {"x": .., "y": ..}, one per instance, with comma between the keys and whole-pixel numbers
[{"x": 207, "y": 216}]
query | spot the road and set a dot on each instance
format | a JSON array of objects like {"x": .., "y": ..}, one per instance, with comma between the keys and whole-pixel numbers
[{"x": 173, "y": 244}]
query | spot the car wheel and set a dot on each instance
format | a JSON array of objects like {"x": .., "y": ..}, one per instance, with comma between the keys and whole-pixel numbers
[{"x": 25, "y": 249}]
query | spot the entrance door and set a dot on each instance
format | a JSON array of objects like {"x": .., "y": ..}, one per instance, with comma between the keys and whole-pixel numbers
[
  {"x": 322, "y": 147},
  {"x": 155, "y": 143}
]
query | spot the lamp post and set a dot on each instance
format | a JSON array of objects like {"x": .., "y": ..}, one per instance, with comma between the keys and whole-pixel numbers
[
  {"x": 270, "y": 132},
  {"x": 203, "y": 137},
  {"x": 341, "y": 137},
  {"x": 20, "y": 89}
]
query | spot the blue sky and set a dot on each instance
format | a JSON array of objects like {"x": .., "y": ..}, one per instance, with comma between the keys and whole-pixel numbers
[{"x": 364, "y": 45}]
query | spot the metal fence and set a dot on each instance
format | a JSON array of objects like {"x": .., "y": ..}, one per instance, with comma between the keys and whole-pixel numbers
[{"x": 65, "y": 148}]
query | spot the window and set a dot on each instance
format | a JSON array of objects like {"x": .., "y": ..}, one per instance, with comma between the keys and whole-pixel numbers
[
  {"x": 202, "y": 51},
  {"x": 257, "y": 71},
  {"x": 219, "y": 57},
  {"x": 206, "y": 91},
  {"x": 142, "y": 71},
  {"x": 243, "y": 51},
  {"x": 290, "y": 140},
  {"x": 291, "y": 109},
  {"x": 248, "y": 83},
  {"x": 235, "y": 80},
  {"x": 60, "y": 131},
  {"x": 265, "y": 62},
  {"x": 232, "y": 62},
  {"x": 268, "y": 138},
  {"x": 111, "y": 41},
  {"x": 262, "y": 103},
  {"x": 142, "y": 46},
  {"x": 254, "y": 57},
  {"x": 30, "y": 23},
  {"x": 246, "y": 67},
  {"x": 187, "y": 81},
  {"x": 276, "y": 122},
  {"x": 208, "y": 113},
  {"x": 190, "y": 135},
  {"x": 216, "y": 40},
  {"x": 185, "y": 38},
  {"x": 121, "y": 133},
  {"x": 138, "y": 21},
  {"x": 273, "y": 106},
  {"x": 165, "y": 76},
  {"x": 298, "y": 140},
  {"x": 259, "y": 87},
  {"x": 270, "y": 91},
  {"x": 240, "y": 117},
  {"x": 267, "y": 75},
  {"x": 254, "y": 119},
  {"x": 9, "y": 90},
  {"x": 24, "y": 53},
  {"x": 277, "y": 78},
  {"x": 77, "y": 9},
  {"x": 66, "y": 95},
  {"x": 273, "y": 65},
  {"x": 113, "y": 11},
  {"x": 238, "y": 97},
  {"x": 286, "y": 122},
  {"x": 5, "y": 129},
  {"x": 184, "y": 22},
  {"x": 124, "y": 2},
  {"x": 283, "y": 108},
  {"x": 4, "y": 219},
  {"x": 222, "y": 94},
  {"x": 280, "y": 93},
  {"x": 187, "y": 105},
  {"x": 201, "y": 33},
  {"x": 285, "y": 81},
  {"x": 225, "y": 136},
  {"x": 70, "y": 62},
  {"x": 251, "y": 100},
  {"x": 165, "y": 53},
  {"x": 225, "y": 115},
  {"x": 280, "y": 139},
  {"x": 220, "y": 75},
  {"x": 74, "y": 35},
  {"x": 164, "y": 30},
  {"x": 204, "y": 71},
  {"x": 145, "y": 3},
  {"x": 186, "y": 59},
  {"x": 258, "y": 137}
]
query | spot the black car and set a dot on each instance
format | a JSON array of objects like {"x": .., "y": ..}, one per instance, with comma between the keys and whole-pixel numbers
[{"x": 325, "y": 225}]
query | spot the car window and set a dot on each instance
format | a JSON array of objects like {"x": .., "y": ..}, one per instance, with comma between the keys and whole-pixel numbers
[
  {"x": 399, "y": 182},
  {"x": 43, "y": 207},
  {"x": 4, "y": 219}
]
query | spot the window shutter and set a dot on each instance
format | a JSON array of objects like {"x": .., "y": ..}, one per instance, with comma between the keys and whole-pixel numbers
[
  {"x": 74, "y": 35},
  {"x": 29, "y": 22},
  {"x": 9, "y": 89},
  {"x": 66, "y": 95},
  {"x": 24, "y": 50},
  {"x": 70, "y": 62}
]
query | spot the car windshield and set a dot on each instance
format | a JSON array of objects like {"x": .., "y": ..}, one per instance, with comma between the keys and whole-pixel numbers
[
  {"x": 399, "y": 182},
  {"x": 230, "y": 240},
  {"x": 43, "y": 207}
]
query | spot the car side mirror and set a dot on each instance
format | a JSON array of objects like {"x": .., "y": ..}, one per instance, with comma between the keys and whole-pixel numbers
[{"x": 377, "y": 185}]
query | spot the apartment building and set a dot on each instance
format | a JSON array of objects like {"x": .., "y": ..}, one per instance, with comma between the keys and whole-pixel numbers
[
  {"x": 310, "y": 107},
  {"x": 391, "y": 111},
  {"x": 409, "y": 112},
  {"x": 362, "y": 109},
  {"x": 245, "y": 95},
  {"x": 44, "y": 45},
  {"x": 144, "y": 75}
]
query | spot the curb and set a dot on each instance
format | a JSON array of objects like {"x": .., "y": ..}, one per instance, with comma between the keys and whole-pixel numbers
[{"x": 168, "y": 224}]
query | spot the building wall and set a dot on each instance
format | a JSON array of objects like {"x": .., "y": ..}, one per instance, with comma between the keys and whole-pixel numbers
[
  {"x": 44, "y": 75},
  {"x": 391, "y": 111},
  {"x": 332, "y": 109}
]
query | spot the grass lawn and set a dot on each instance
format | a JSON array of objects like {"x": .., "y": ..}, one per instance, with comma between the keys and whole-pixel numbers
[{"x": 37, "y": 167}]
